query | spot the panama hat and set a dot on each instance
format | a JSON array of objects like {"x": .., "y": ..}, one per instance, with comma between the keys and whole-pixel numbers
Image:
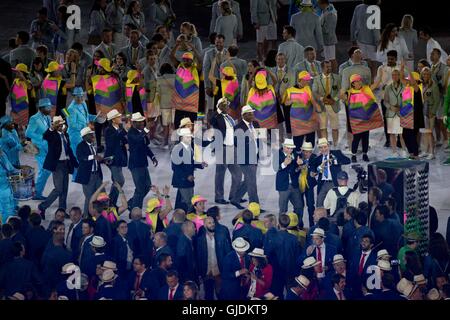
[
  {"x": 113, "y": 114},
  {"x": 137, "y": 117},
  {"x": 337, "y": 258},
  {"x": 246, "y": 109},
  {"x": 254, "y": 208},
  {"x": 185, "y": 132},
  {"x": 58, "y": 119},
  {"x": 382, "y": 253},
  {"x": 185, "y": 121},
  {"x": 270, "y": 296},
  {"x": 63, "y": 298},
  {"x": 108, "y": 276},
  {"x": 240, "y": 245},
  {"x": 307, "y": 146},
  {"x": 86, "y": 131},
  {"x": 260, "y": 81},
  {"x": 405, "y": 287},
  {"x": 153, "y": 203},
  {"x": 384, "y": 265},
  {"x": 310, "y": 262},
  {"x": 98, "y": 242},
  {"x": 17, "y": 296},
  {"x": 302, "y": 281},
  {"x": 68, "y": 268},
  {"x": 54, "y": 66},
  {"x": 318, "y": 232},
  {"x": 322, "y": 142},
  {"x": 434, "y": 294},
  {"x": 105, "y": 63},
  {"x": 44, "y": 103},
  {"x": 197, "y": 198},
  {"x": 289, "y": 143},
  {"x": 257, "y": 252},
  {"x": 420, "y": 279},
  {"x": 78, "y": 92},
  {"x": 21, "y": 67},
  {"x": 109, "y": 265}
]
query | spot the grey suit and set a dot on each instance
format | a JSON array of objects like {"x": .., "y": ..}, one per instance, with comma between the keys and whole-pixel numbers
[
  {"x": 114, "y": 16},
  {"x": 22, "y": 54},
  {"x": 128, "y": 53},
  {"x": 309, "y": 30},
  {"x": 306, "y": 66},
  {"x": 263, "y": 12},
  {"x": 207, "y": 63},
  {"x": 358, "y": 27},
  {"x": 328, "y": 22},
  {"x": 319, "y": 87},
  {"x": 348, "y": 63},
  {"x": 158, "y": 16},
  {"x": 109, "y": 53},
  {"x": 215, "y": 13},
  {"x": 284, "y": 82},
  {"x": 293, "y": 51},
  {"x": 240, "y": 66}
]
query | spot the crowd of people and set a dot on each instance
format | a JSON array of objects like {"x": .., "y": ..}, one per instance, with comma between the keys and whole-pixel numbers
[{"x": 80, "y": 109}]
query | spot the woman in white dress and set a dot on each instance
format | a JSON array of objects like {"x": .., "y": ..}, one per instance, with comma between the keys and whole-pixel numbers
[{"x": 391, "y": 41}]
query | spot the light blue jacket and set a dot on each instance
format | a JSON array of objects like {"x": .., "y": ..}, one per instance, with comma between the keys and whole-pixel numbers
[
  {"x": 10, "y": 144},
  {"x": 77, "y": 119},
  {"x": 38, "y": 124}
]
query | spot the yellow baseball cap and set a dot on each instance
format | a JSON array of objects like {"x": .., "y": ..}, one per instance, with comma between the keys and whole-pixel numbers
[
  {"x": 254, "y": 208},
  {"x": 304, "y": 75},
  {"x": 54, "y": 66},
  {"x": 260, "y": 81},
  {"x": 105, "y": 64},
  {"x": 153, "y": 203},
  {"x": 21, "y": 67},
  {"x": 293, "y": 219},
  {"x": 228, "y": 72},
  {"x": 197, "y": 198},
  {"x": 132, "y": 75}
]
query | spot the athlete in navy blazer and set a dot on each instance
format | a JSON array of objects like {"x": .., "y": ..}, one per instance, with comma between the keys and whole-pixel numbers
[
  {"x": 163, "y": 294},
  {"x": 231, "y": 285}
]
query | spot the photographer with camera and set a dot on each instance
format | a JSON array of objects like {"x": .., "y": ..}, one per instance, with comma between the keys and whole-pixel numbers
[{"x": 339, "y": 198}]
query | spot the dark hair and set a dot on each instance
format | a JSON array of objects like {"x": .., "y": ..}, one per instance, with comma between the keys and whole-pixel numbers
[
  {"x": 308, "y": 49},
  {"x": 384, "y": 211},
  {"x": 336, "y": 278},
  {"x": 43, "y": 11},
  {"x": 413, "y": 262},
  {"x": 16, "y": 223},
  {"x": 284, "y": 220},
  {"x": 352, "y": 211},
  {"x": 378, "y": 194},
  {"x": 89, "y": 222},
  {"x": 56, "y": 224},
  {"x": 255, "y": 63},
  {"x": 392, "y": 53},
  {"x": 42, "y": 48},
  {"x": 270, "y": 60},
  {"x": 424, "y": 62},
  {"x": 77, "y": 46},
  {"x": 437, "y": 50},
  {"x": 150, "y": 44},
  {"x": 120, "y": 222},
  {"x": 433, "y": 220},
  {"x": 7, "y": 230},
  {"x": 324, "y": 224},
  {"x": 23, "y": 36},
  {"x": 213, "y": 212},
  {"x": 166, "y": 68},
  {"x": 364, "y": 206},
  {"x": 388, "y": 280},
  {"x": 35, "y": 219},
  {"x": 96, "y": 6},
  {"x": 123, "y": 56},
  {"x": 17, "y": 248},
  {"x": 262, "y": 262},
  {"x": 233, "y": 51},
  {"x": 438, "y": 247},
  {"x": 247, "y": 216},
  {"x": 142, "y": 259},
  {"x": 162, "y": 257},
  {"x": 130, "y": 7},
  {"x": 361, "y": 218},
  {"x": 12, "y": 43},
  {"x": 212, "y": 37},
  {"x": 130, "y": 25},
  {"x": 37, "y": 60},
  {"x": 157, "y": 37},
  {"x": 24, "y": 212},
  {"x": 290, "y": 30},
  {"x": 60, "y": 210},
  {"x": 78, "y": 209},
  {"x": 352, "y": 50},
  {"x": 391, "y": 202},
  {"x": 193, "y": 286},
  {"x": 171, "y": 273},
  {"x": 385, "y": 36},
  {"x": 97, "y": 205},
  {"x": 220, "y": 36},
  {"x": 426, "y": 30}
]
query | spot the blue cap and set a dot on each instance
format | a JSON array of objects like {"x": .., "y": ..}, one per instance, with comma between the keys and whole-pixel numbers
[
  {"x": 5, "y": 120},
  {"x": 78, "y": 92},
  {"x": 45, "y": 103},
  {"x": 342, "y": 175}
]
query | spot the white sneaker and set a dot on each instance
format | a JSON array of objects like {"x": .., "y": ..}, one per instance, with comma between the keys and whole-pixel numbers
[
  {"x": 430, "y": 157},
  {"x": 404, "y": 154},
  {"x": 423, "y": 155}
]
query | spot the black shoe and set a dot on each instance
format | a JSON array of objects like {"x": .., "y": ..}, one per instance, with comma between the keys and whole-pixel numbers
[
  {"x": 354, "y": 159},
  {"x": 221, "y": 201},
  {"x": 237, "y": 205},
  {"x": 366, "y": 158},
  {"x": 41, "y": 212},
  {"x": 262, "y": 210},
  {"x": 387, "y": 145},
  {"x": 39, "y": 198},
  {"x": 243, "y": 201}
]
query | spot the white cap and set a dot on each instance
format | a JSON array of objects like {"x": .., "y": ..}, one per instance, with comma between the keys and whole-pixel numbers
[
  {"x": 185, "y": 132},
  {"x": 240, "y": 245},
  {"x": 318, "y": 232},
  {"x": 137, "y": 117},
  {"x": 113, "y": 114},
  {"x": 289, "y": 143},
  {"x": 98, "y": 242},
  {"x": 246, "y": 109},
  {"x": 86, "y": 131}
]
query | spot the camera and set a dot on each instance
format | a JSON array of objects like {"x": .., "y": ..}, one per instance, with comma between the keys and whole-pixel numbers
[{"x": 363, "y": 182}]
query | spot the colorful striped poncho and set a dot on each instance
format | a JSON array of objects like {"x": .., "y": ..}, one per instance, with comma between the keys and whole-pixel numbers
[
  {"x": 186, "y": 96},
  {"x": 19, "y": 102},
  {"x": 107, "y": 93},
  {"x": 129, "y": 98},
  {"x": 304, "y": 119},
  {"x": 231, "y": 91},
  {"x": 407, "y": 108},
  {"x": 363, "y": 109},
  {"x": 265, "y": 107},
  {"x": 50, "y": 90}
]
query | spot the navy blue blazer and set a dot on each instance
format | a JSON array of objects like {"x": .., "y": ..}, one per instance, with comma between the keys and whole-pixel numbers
[
  {"x": 85, "y": 165},
  {"x": 55, "y": 148},
  {"x": 330, "y": 251},
  {"x": 20, "y": 275},
  {"x": 231, "y": 285},
  {"x": 163, "y": 294},
  {"x": 86, "y": 258},
  {"x": 6, "y": 254},
  {"x": 119, "y": 253},
  {"x": 138, "y": 146},
  {"x": 181, "y": 168},
  {"x": 388, "y": 235},
  {"x": 354, "y": 244},
  {"x": 347, "y": 233},
  {"x": 338, "y": 158},
  {"x": 253, "y": 235},
  {"x": 250, "y": 145},
  {"x": 185, "y": 259},
  {"x": 159, "y": 275},
  {"x": 115, "y": 141},
  {"x": 139, "y": 239},
  {"x": 334, "y": 240},
  {"x": 53, "y": 259},
  {"x": 270, "y": 245},
  {"x": 148, "y": 284},
  {"x": 330, "y": 295},
  {"x": 167, "y": 250},
  {"x": 173, "y": 232},
  {"x": 77, "y": 234},
  {"x": 18, "y": 237},
  {"x": 287, "y": 251},
  {"x": 290, "y": 296},
  {"x": 108, "y": 292},
  {"x": 36, "y": 240},
  {"x": 104, "y": 229},
  {"x": 291, "y": 172},
  {"x": 222, "y": 247},
  {"x": 388, "y": 295},
  {"x": 354, "y": 279}
]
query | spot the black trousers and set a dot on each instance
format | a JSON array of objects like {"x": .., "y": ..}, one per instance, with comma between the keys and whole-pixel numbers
[
  {"x": 364, "y": 137},
  {"x": 298, "y": 140},
  {"x": 383, "y": 108},
  {"x": 410, "y": 137},
  {"x": 287, "y": 118},
  {"x": 99, "y": 128}
]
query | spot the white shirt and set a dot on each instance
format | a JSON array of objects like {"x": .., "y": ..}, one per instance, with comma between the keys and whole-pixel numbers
[
  {"x": 399, "y": 45},
  {"x": 63, "y": 156},
  {"x": 326, "y": 158},
  {"x": 229, "y": 132},
  {"x": 251, "y": 128},
  {"x": 433, "y": 44},
  {"x": 92, "y": 156},
  {"x": 212, "y": 258},
  {"x": 331, "y": 199}
]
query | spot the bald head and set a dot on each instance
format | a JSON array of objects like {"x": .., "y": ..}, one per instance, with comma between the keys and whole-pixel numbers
[
  {"x": 319, "y": 213},
  {"x": 179, "y": 216},
  {"x": 136, "y": 214}
]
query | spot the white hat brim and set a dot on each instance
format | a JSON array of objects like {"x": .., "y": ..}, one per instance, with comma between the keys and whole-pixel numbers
[{"x": 244, "y": 249}]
